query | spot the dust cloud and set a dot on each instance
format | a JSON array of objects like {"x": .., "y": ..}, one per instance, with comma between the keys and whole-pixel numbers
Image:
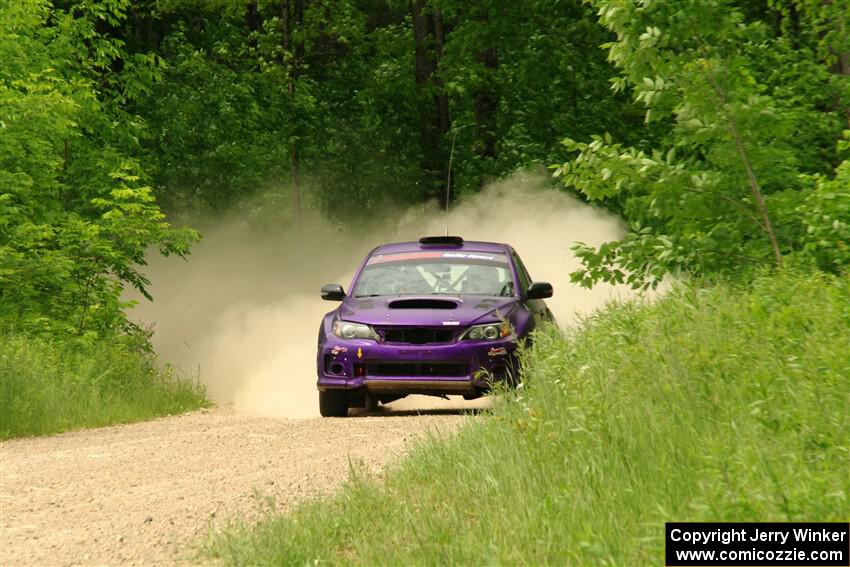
[{"x": 244, "y": 310}]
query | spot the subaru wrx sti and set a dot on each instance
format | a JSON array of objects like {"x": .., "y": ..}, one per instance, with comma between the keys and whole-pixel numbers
[{"x": 441, "y": 316}]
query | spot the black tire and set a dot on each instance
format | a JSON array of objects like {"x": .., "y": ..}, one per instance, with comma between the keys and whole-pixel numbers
[
  {"x": 333, "y": 403},
  {"x": 371, "y": 403}
]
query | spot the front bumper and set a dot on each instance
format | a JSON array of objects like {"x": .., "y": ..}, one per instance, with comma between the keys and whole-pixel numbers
[{"x": 463, "y": 367}]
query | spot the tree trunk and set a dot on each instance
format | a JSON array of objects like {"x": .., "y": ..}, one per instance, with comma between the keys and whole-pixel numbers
[
  {"x": 292, "y": 15},
  {"x": 443, "y": 123},
  {"x": 253, "y": 21},
  {"x": 485, "y": 98},
  {"x": 752, "y": 180},
  {"x": 486, "y": 102},
  {"x": 836, "y": 22},
  {"x": 843, "y": 68},
  {"x": 434, "y": 121},
  {"x": 756, "y": 191}
]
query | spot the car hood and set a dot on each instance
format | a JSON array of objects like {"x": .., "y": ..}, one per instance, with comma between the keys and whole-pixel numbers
[{"x": 430, "y": 310}]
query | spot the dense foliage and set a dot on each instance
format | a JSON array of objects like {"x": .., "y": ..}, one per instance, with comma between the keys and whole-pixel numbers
[
  {"x": 747, "y": 169},
  {"x": 718, "y": 404},
  {"x": 719, "y": 148},
  {"x": 76, "y": 216},
  {"x": 360, "y": 101},
  {"x": 112, "y": 109}
]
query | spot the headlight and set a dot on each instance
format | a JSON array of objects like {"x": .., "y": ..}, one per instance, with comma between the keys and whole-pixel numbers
[
  {"x": 489, "y": 332},
  {"x": 349, "y": 330}
]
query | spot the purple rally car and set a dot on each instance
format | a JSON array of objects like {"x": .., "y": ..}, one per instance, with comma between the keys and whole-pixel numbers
[{"x": 439, "y": 316}]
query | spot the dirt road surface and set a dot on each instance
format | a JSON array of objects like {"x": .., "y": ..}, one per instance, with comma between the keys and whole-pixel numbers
[{"x": 147, "y": 493}]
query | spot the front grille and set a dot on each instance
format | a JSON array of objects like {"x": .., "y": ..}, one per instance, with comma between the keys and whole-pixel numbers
[
  {"x": 418, "y": 336},
  {"x": 419, "y": 368}
]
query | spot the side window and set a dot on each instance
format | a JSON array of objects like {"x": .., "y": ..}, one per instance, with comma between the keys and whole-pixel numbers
[{"x": 522, "y": 273}]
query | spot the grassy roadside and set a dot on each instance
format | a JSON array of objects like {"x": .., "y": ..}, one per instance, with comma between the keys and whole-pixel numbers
[
  {"x": 48, "y": 387},
  {"x": 717, "y": 404}
]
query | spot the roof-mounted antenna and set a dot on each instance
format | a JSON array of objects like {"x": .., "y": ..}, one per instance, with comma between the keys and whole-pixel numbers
[{"x": 449, "y": 180}]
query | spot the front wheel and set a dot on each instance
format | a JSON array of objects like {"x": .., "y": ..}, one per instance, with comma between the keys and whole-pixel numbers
[
  {"x": 333, "y": 403},
  {"x": 371, "y": 403}
]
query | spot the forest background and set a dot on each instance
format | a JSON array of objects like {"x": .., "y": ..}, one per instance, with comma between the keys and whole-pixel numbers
[{"x": 716, "y": 129}]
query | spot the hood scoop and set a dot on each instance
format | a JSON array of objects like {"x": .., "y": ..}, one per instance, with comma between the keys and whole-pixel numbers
[{"x": 422, "y": 303}]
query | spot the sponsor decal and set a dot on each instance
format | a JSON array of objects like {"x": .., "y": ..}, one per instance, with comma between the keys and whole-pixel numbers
[
  {"x": 338, "y": 349},
  {"x": 468, "y": 256},
  {"x": 401, "y": 256},
  {"x": 359, "y": 352},
  {"x": 432, "y": 255},
  {"x": 451, "y": 322},
  {"x": 497, "y": 351}
]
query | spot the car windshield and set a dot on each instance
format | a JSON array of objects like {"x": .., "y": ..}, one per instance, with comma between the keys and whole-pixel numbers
[{"x": 430, "y": 273}]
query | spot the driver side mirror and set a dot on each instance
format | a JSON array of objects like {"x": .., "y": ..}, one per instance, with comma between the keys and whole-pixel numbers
[
  {"x": 333, "y": 292},
  {"x": 539, "y": 290}
]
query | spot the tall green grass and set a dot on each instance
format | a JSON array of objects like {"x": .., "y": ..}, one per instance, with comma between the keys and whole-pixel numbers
[
  {"x": 48, "y": 387},
  {"x": 716, "y": 404}
]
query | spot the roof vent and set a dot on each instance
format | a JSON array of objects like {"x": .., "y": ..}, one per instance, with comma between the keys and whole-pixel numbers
[{"x": 441, "y": 241}]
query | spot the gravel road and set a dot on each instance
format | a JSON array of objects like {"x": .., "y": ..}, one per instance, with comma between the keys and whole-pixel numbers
[{"x": 146, "y": 493}]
